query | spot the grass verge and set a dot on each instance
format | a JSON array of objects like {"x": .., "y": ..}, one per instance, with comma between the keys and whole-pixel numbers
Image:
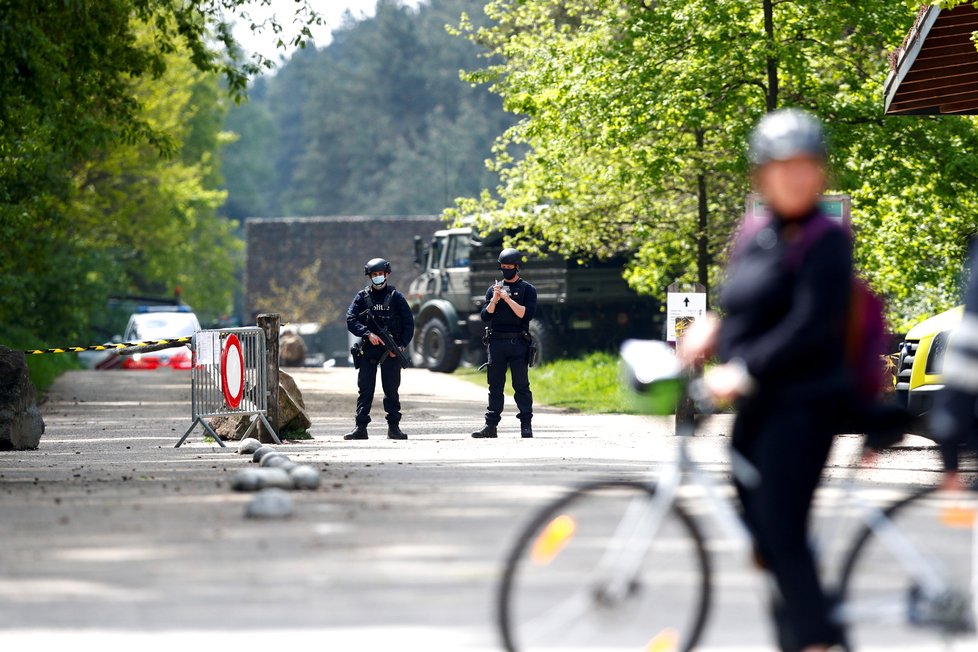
[
  {"x": 589, "y": 384},
  {"x": 44, "y": 369}
]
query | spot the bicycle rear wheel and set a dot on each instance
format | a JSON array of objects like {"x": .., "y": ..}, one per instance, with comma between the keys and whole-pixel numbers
[
  {"x": 906, "y": 583},
  {"x": 606, "y": 567}
]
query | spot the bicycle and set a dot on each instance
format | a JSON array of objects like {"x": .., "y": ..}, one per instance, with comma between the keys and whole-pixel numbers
[{"x": 624, "y": 565}]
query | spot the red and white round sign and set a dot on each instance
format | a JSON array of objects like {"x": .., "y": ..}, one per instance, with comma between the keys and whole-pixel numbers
[{"x": 232, "y": 371}]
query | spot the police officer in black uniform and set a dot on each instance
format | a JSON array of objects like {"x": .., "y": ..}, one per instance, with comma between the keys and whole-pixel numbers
[
  {"x": 509, "y": 307},
  {"x": 392, "y": 311}
]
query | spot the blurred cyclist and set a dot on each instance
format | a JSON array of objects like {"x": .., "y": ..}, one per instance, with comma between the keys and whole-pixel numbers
[
  {"x": 782, "y": 348},
  {"x": 954, "y": 419}
]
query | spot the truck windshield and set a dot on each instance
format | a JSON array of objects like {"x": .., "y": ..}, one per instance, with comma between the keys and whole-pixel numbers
[{"x": 458, "y": 251}]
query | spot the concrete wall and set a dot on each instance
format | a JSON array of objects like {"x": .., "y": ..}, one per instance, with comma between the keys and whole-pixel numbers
[{"x": 278, "y": 249}]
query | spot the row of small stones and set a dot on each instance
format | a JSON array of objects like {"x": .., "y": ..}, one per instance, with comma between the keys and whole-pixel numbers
[{"x": 275, "y": 476}]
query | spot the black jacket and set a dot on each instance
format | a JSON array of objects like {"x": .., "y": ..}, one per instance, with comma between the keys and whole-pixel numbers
[
  {"x": 503, "y": 319},
  {"x": 396, "y": 317},
  {"x": 785, "y": 317},
  {"x": 961, "y": 360},
  {"x": 954, "y": 419}
]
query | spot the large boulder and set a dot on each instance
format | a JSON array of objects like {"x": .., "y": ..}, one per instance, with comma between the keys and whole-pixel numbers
[
  {"x": 291, "y": 408},
  {"x": 292, "y": 414},
  {"x": 291, "y": 350},
  {"x": 21, "y": 425}
]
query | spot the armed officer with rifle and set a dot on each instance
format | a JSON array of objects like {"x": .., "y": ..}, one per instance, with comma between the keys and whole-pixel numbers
[
  {"x": 380, "y": 315},
  {"x": 509, "y": 307}
]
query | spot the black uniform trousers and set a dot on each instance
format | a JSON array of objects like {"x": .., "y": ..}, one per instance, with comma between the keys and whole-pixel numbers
[
  {"x": 788, "y": 441},
  {"x": 390, "y": 381},
  {"x": 512, "y": 354}
]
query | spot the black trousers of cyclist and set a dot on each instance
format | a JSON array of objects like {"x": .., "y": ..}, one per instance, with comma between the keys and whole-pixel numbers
[
  {"x": 788, "y": 441},
  {"x": 509, "y": 354},
  {"x": 390, "y": 380}
]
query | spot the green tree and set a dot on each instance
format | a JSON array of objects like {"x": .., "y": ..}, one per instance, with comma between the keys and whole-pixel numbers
[
  {"x": 149, "y": 222},
  {"x": 73, "y": 78},
  {"x": 377, "y": 122},
  {"x": 637, "y": 115},
  {"x": 249, "y": 171}
]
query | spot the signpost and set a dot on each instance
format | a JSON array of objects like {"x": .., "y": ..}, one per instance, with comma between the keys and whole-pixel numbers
[
  {"x": 683, "y": 308},
  {"x": 835, "y": 207},
  {"x": 685, "y": 303}
]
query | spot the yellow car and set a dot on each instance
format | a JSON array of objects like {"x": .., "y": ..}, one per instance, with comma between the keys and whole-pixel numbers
[{"x": 920, "y": 361}]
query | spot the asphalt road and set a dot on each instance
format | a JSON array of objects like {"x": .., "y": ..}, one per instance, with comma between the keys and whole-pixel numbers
[{"x": 111, "y": 538}]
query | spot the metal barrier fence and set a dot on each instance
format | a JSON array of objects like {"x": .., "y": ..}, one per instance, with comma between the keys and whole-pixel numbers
[{"x": 229, "y": 378}]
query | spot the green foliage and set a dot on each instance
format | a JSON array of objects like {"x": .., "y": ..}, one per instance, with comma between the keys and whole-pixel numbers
[
  {"x": 637, "y": 116},
  {"x": 589, "y": 384},
  {"x": 376, "y": 123},
  {"x": 150, "y": 223},
  {"x": 109, "y": 137},
  {"x": 44, "y": 369}
]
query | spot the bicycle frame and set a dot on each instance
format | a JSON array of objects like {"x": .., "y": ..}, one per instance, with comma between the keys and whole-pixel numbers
[
  {"x": 926, "y": 577},
  {"x": 640, "y": 524},
  {"x": 920, "y": 595},
  {"x": 635, "y": 533},
  {"x": 895, "y": 541}
]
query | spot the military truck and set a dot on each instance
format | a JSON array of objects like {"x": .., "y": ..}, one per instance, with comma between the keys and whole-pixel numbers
[{"x": 581, "y": 306}]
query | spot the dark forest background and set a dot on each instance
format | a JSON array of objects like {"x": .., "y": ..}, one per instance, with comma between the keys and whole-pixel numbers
[{"x": 377, "y": 122}]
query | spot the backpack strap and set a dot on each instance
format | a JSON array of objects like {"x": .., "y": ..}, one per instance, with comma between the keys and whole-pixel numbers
[
  {"x": 811, "y": 232},
  {"x": 748, "y": 229},
  {"x": 367, "y": 299}
]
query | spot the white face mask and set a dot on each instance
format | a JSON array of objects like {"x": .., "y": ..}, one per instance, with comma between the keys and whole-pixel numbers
[{"x": 380, "y": 279}]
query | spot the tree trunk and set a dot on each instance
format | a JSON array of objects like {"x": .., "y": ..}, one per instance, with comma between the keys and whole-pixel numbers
[
  {"x": 772, "y": 60},
  {"x": 702, "y": 221}
]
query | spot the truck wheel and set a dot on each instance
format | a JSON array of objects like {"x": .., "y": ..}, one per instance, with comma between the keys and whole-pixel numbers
[
  {"x": 438, "y": 348},
  {"x": 417, "y": 355},
  {"x": 476, "y": 357},
  {"x": 545, "y": 341}
]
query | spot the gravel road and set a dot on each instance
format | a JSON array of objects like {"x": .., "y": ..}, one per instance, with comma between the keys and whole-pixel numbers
[{"x": 112, "y": 538}]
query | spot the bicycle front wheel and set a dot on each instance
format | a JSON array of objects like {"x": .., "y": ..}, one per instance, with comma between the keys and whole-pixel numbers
[
  {"x": 607, "y": 567},
  {"x": 906, "y": 582}
]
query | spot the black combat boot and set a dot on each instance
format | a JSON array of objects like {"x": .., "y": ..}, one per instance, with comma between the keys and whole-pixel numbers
[
  {"x": 487, "y": 432},
  {"x": 526, "y": 430},
  {"x": 394, "y": 431},
  {"x": 360, "y": 432}
]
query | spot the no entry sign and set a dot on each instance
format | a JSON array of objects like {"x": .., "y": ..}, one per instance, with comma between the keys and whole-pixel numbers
[
  {"x": 225, "y": 359},
  {"x": 232, "y": 371}
]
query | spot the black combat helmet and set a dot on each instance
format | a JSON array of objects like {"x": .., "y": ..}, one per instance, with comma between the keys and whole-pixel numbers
[
  {"x": 510, "y": 257},
  {"x": 376, "y": 265},
  {"x": 785, "y": 134}
]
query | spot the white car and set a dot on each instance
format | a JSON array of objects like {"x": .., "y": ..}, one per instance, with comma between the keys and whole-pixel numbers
[{"x": 159, "y": 323}]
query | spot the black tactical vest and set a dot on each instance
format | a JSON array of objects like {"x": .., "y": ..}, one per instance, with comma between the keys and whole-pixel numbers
[{"x": 504, "y": 320}]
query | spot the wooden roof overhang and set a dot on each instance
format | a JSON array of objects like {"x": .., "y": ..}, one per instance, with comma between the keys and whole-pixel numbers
[{"x": 935, "y": 72}]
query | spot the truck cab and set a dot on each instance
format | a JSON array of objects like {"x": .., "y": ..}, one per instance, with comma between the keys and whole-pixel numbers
[
  {"x": 440, "y": 298},
  {"x": 582, "y": 305},
  {"x": 920, "y": 361}
]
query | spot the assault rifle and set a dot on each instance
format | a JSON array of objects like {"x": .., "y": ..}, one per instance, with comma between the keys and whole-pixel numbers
[{"x": 368, "y": 317}]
